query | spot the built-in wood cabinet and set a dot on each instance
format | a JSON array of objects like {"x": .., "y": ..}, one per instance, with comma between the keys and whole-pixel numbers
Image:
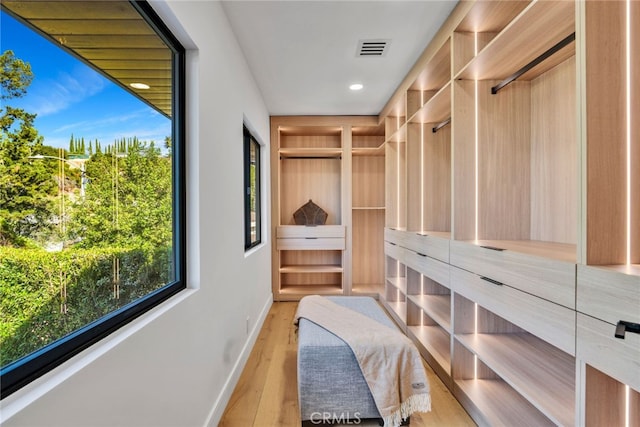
[
  {"x": 512, "y": 165},
  {"x": 338, "y": 163}
]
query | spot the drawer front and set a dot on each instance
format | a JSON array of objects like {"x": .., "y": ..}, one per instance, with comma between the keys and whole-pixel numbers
[
  {"x": 398, "y": 237},
  {"x": 433, "y": 246},
  {"x": 429, "y": 267},
  {"x": 618, "y": 358},
  {"x": 310, "y": 243},
  {"x": 303, "y": 231},
  {"x": 549, "y": 279},
  {"x": 608, "y": 295},
  {"x": 551, "y": 322},
  {"x": 394, "y": 251}
]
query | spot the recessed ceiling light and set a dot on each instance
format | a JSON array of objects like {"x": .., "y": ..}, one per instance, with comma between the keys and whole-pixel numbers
[
  {"x": 356, "y": 86},
  {"x": 139, "y": 85}
]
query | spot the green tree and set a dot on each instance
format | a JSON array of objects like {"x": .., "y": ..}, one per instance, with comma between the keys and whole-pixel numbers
[
  {"x": 128, "y": 198},
  {"x": 25, "y": 185}
]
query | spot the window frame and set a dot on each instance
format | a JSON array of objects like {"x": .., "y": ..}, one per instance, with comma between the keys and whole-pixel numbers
[
  {"x": 16, "y": 375},
  {"x": 248, "y": 141}
]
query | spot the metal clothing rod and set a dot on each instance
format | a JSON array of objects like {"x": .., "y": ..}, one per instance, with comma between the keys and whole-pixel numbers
[
  {"x": 441, "y": 125},
  {"x": 533, "y": 63}
]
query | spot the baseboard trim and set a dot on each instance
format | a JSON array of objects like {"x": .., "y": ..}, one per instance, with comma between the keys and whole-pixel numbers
[{"x": 215, "y": 415}]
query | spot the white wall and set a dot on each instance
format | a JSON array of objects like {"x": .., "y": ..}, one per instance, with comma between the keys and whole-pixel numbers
[{"x": 177, "y": 365}]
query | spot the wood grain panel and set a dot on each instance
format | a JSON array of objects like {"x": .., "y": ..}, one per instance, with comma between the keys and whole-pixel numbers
[
  {"x": 367, "y": 141},
  {"x": 437, "y": 180},
  {"x": 491, "y": 16},
  {"x": 113, "y": 41},
  {"x": 464, "y": 160},
  {"x": 368, "y": 247},
  {"x": 84, "y": 10},
  {"x": 414, "y": 177},
  {"x": 310, "y": 179},
  {"x": 434, "y": 245},
  {"x": 618, "y": 358},
  {"x": 504, "y": 152},
  {"x": 547, "y": 278},
  {"x": 368, "y": 181},
  {"x": 635, "y": 138},
  {"x": 606, "y": 141},
  {"x": 601, "y": 388},
  {"x": 534, "y": 31},
  {"x": 554, "y": 155},
  {"x": 608, "y": 295},
  {"x": 437, "y": 72}
]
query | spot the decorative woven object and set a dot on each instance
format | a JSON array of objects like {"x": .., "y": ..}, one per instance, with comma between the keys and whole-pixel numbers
[{"x": 310, "y": 214}]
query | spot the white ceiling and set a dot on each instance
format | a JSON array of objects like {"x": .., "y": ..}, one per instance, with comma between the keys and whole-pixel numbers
[{"x": 303, "y": 53}]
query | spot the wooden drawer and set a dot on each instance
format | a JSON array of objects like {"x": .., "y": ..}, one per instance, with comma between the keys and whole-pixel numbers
[
  {"x": 421, "y": 263},
  {"x": 432, "y": 246},
  {"x": 432, "y": 268},
  {"x": 598, "y": 347},
  {"x": 394, "y": 251},
  {"x": 310, "y": 244},
  {"x": 398, "y": 237},
  {"x": 609, "y": 294},
  {"x": 547, "y": 278},
  {"x": 548, "y": 321},
  {"x": 303, "y": 231}
]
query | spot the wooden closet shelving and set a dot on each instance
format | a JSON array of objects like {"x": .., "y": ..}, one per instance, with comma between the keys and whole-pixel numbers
[
  {"x": 338, "y": 163},
  {"x": 524, "y": 196}
]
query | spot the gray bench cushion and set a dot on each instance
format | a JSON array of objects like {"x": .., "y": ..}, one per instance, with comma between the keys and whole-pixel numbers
[{"x": 329, "y": 378}]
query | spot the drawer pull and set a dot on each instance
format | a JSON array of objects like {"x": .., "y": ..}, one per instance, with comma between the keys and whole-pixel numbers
[
  {"x": 311, "y": 238},
  {"x": 421, "y": 254},
  {"x": 493, "y": 248},
  {"x": 624, "y": 326},
  {"x": 391, "y": 243},
  {"x": 423, "y": 234},
  {"x": 495, "y": 282}
]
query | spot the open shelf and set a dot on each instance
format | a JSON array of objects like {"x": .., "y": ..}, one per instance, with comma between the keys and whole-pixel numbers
[
  {"x": 399, "y": 283},
  {"x": 437, "y": 109},
  {"x": 398, "y": 310},
  {"x": 539, "y": 27},
  {"x": 310, "y": 152},
  {"x": 311, "y": 289},
  {"x": 310, "y": 268},
  {"x": 498, "y": 404},
  {"x": 437, "y": 307},
  {"x": 543, "y": 374},
  {"x": 436, "y": 342},
  {"x": 367, "y": 289}
]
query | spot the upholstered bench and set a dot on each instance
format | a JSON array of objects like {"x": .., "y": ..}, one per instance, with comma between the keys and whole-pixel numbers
[{"x": 331, "y": 387}]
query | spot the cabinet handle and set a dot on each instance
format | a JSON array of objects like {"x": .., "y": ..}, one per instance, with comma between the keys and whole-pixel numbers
[
  {"x": 624, "y": 326},
  {"x": 493, "y": 248},
  {"x": 311, "y": 238},
  {"x": 422, "y": 234},
  {"x": 391, "y": 243},
  {"x": 421, "y": 254},
  {"x": 495, "y": 282}
]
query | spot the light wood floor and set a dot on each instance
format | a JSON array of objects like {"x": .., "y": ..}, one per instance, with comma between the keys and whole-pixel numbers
[{"x": 266, "y": 394}]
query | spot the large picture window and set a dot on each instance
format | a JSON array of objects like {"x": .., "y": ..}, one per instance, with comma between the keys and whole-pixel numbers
[
  {"x": 252, "y": 217},
  {"x": 92, "y": 190}
]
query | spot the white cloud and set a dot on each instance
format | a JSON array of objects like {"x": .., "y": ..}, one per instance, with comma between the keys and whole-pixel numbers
[{"x": 47, "y": 97}]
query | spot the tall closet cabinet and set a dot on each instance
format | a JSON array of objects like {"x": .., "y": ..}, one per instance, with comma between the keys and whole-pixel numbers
[
  {"x": 338, "y": 164},
  {"x": 512, "y": 230}
]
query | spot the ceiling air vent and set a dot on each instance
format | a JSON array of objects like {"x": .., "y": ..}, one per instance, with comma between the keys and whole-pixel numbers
[{"x": 372, "y": 47}]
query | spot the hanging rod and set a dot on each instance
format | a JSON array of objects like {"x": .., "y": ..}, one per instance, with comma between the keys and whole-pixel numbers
[
  {"x": 564, "y": 42},
  {"x": 441, "y": 125}
]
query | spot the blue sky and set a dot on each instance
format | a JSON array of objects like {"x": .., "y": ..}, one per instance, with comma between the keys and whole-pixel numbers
[{"x": 71, "y": 98}]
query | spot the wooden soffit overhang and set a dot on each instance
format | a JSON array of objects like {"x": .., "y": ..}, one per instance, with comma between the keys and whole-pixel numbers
[{"x": 110, "y": 36}]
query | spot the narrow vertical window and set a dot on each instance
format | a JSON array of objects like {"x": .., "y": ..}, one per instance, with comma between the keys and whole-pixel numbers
[{"x": 252, "y": 208}]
